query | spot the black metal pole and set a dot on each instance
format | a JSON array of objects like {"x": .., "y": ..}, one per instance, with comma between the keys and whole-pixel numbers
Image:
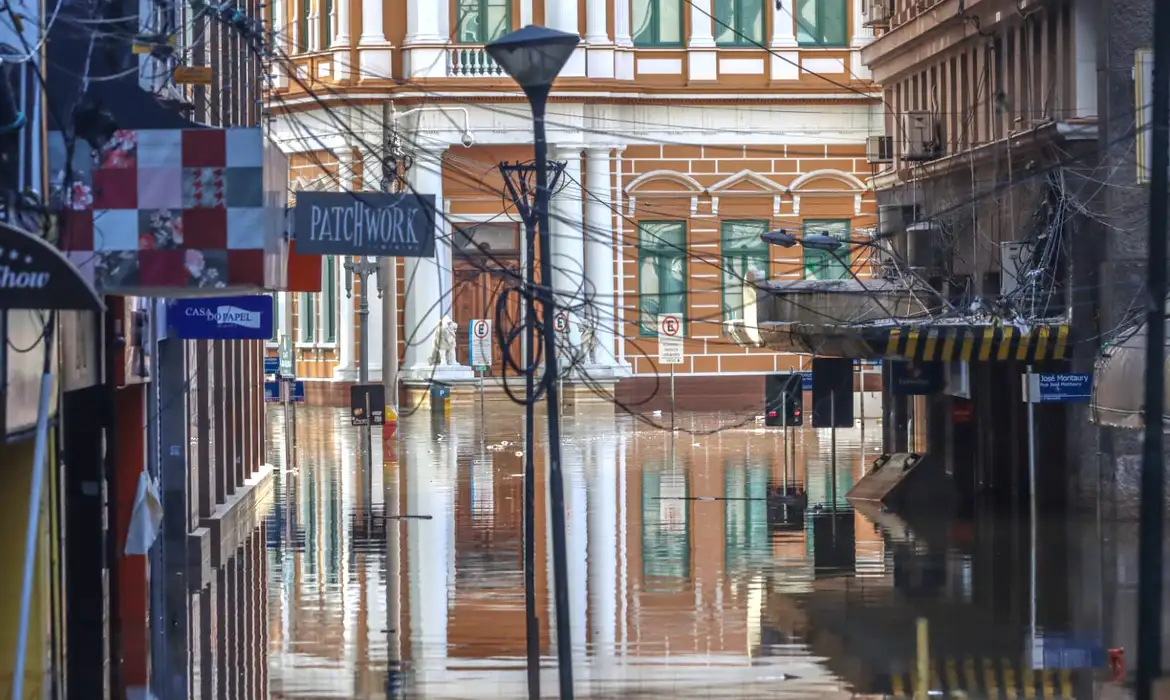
[
  {"x": 1149, "y": 659},
  {"x": 537, "y": 98},
  {"x": 532, "y": 622}
]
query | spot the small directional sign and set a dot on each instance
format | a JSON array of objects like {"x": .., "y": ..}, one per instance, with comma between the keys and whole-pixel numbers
[
  {"x": 272, "y": 365},
  {"x": 367, "y": 404},
  {"x": 481, "y": 343},
  {"x": 286, "y": 365},
  {"x": 670, "y": 339}
]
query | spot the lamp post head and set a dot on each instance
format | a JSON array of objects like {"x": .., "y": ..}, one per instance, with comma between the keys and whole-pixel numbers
[
  {"x": 533, "y": 56},
  {"x": 820, "y": 241},
  {"x": 781, "y": 238}
]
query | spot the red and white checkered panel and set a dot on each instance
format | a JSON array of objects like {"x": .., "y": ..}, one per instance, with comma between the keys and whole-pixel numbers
[{"x": 175, "y": 212}]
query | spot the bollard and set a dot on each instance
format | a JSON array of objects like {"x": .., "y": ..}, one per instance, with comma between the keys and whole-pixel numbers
[
  {"x": 922, "y": 687},
  {"x": 1117, "y": 664}
]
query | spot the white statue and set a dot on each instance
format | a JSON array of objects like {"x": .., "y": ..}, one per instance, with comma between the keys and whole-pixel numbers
[
  {"x": 443, "y": 353},
  {"x": 589, "y": 339}
]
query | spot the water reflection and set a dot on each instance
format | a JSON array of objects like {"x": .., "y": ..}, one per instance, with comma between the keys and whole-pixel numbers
[{"x": 688, "y": 576}]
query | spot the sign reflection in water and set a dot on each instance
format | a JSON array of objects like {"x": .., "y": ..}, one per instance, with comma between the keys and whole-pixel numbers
[{"x": 666, "y": 532}]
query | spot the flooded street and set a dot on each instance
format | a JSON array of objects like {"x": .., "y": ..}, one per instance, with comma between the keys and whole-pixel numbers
[{"x": 687, "y": 576}]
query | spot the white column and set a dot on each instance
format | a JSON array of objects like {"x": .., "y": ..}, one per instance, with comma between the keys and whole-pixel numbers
[
  {"x": 375, "y": 58},
  {"x": 562, "y": 15},
  {"x": 427, "y": 545},
  {"x": 314, "y": 24},
  {"x": 346, "y": 369},
  {"x": 424, "y": 42},
  {"x": 568, "y": 240},
  {"x": 623, "y": 60},
  {"x": 862, "y": 36},
  {"x": 422, "y": 276},
  {"x": 603, "y": 551},
  {"x": 701, "y": 56},
  {"x": 341, "y": 25},
  {"x": 284, "y": 29},
  {"x": 599, "y": 250},
  {"x": 785, "y": 58},
  {"x": 600, "y": 48},
  {"x": 375, "y": 317}
]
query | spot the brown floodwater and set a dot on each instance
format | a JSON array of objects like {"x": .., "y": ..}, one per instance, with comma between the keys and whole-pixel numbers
[{"x": 400, "y": 574}]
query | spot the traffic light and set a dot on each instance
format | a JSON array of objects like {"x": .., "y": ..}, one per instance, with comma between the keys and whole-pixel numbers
[{"x": 783, "y": 399}]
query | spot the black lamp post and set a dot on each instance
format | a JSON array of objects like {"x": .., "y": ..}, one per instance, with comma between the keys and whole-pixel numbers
[{"x": 534, "y": 57}]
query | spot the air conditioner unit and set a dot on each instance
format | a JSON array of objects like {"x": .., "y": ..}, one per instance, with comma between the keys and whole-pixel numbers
[
  {"x": 921, "y": 136},
  {"x": 875, "y": 13},
  {"x": 879, "y": 149}
]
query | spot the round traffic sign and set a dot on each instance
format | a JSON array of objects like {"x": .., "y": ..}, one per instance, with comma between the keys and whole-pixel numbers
[
  {"x": 561, "y": 322},
  {"x": 670, "y": 325},
  {"x": 480, "y": 329}
]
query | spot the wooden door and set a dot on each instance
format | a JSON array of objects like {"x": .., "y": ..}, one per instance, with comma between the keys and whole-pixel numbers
[{"x": 477, "y": 287}]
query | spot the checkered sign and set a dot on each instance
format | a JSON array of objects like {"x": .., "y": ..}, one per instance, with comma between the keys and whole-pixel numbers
[{"x": 174, "y": 212}]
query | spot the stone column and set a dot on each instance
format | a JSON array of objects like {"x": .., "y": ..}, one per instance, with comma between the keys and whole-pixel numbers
[
  {"x": 862, "y": 36},
  {"x": 342, "y": 54},
  {"x": 375, "y": 58},
  {"x": 599, "y": 251},
  {"x": 425, "y": 54},
  {"x": 600, "y": 48},
  {"x": 701, "y": 56},
  {"x": 623, "y": 60},
  {"x": 562, "y": 15},
  {"x": 346, "y": 369},
  {"x": 568, "y": 239},
  {"x": 785, "y": 57}
]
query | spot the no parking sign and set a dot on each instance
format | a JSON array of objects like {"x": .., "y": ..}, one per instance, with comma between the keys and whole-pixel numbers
[{"x": 481, "y": 343}]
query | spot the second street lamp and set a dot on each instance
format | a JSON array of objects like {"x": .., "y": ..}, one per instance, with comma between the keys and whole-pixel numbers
[{"x": 534, "y": 57}]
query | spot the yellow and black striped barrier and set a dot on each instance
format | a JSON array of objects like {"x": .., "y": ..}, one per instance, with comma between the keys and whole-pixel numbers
[
  {"x": 993, "y": 679},
  {"x": 969, "y": 343}
]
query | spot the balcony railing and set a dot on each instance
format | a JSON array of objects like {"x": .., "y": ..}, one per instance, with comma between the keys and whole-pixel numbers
[{"x": 472, "y": 62}]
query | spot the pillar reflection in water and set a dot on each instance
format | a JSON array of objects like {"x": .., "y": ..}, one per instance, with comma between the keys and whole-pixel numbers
[
  {"x": 392, "y": 489},
  {"x": 577, "y": 540},
  {"x": 603, "y": 551},
  {"x": 428, "y": 545}
]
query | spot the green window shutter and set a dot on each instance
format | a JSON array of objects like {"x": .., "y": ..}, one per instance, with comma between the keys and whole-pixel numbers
[
  {"x": 662, "y": 272},
  {"x": 724, "y": 24},
  {"x": 820, "y": 264},
  {"x": 743, "y": 252}
]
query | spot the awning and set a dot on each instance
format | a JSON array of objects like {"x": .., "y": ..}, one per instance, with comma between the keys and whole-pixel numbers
[{"x": 1119, "y": 384}]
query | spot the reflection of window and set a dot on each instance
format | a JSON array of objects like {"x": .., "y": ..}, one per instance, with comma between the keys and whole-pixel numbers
[
  {"x": 662, "y": 272},
  {"x": 332, "y": 529},
  {"x": 821, "y": 23},
  {"x": 666, "y": 532},
  {"x": 657, "y": 22},
  {"x": 310, "y": 520},
  {"x": 483, "y": 495},
  {"x": 482, "y": 21},
  {"x": 743, "y": 252},
  {"x": 745, "y": 515},
  {"x": 821, "y": 264},
  {"x": 329, "y": 299},
  {"x": 739, "y": 22}
]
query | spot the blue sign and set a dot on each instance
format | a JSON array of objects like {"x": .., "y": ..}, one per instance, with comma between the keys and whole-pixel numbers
[
  {"x": 272, "y": 392},
  {"x": 916, "y": 378},
  {"x": 805, "y": 380},
  {"x": 222, "y": 318},
  {"x": 272, "y": 365},
  {"x": 1064, "y": 387},
  {"x": 1063, "y": 652}
]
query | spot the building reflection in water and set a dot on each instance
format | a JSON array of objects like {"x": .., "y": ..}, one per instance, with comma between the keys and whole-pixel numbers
[{"x": 405, "y": 579}]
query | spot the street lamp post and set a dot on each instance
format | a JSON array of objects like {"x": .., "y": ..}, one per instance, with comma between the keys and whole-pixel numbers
[
  {"x": 363, "y": 268},
  {"x": 534, "y": 57}
]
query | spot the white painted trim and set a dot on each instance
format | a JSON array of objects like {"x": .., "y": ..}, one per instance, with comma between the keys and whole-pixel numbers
[
  {"x": 681, "y": 178},
  {"x": 832, "y": 174},
  {"x": 751, "y": 176},
  {"x": 609, "y": 95}
]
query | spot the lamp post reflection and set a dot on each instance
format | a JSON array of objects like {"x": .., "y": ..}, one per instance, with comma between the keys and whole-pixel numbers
[{"x": 395, "y": 686}]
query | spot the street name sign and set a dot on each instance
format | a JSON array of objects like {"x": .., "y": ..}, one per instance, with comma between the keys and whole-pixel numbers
[
  {"x": 272, "y": 365},
  {"x": 481, "y": 343},
  {"x": 670, "y": 339},
  {"x": 1058, "y": 387},
  {"x": 288, "y": 368},
  {"x": 365, "y": 223}
]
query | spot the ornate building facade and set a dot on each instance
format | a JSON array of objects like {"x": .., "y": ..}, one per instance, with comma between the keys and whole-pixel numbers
[{"x": 687, "y": 128}]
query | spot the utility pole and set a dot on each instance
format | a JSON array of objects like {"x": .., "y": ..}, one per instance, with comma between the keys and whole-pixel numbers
[
  {"x": 1153, "y": 481},
  {"x": 391, "y": 174}
]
